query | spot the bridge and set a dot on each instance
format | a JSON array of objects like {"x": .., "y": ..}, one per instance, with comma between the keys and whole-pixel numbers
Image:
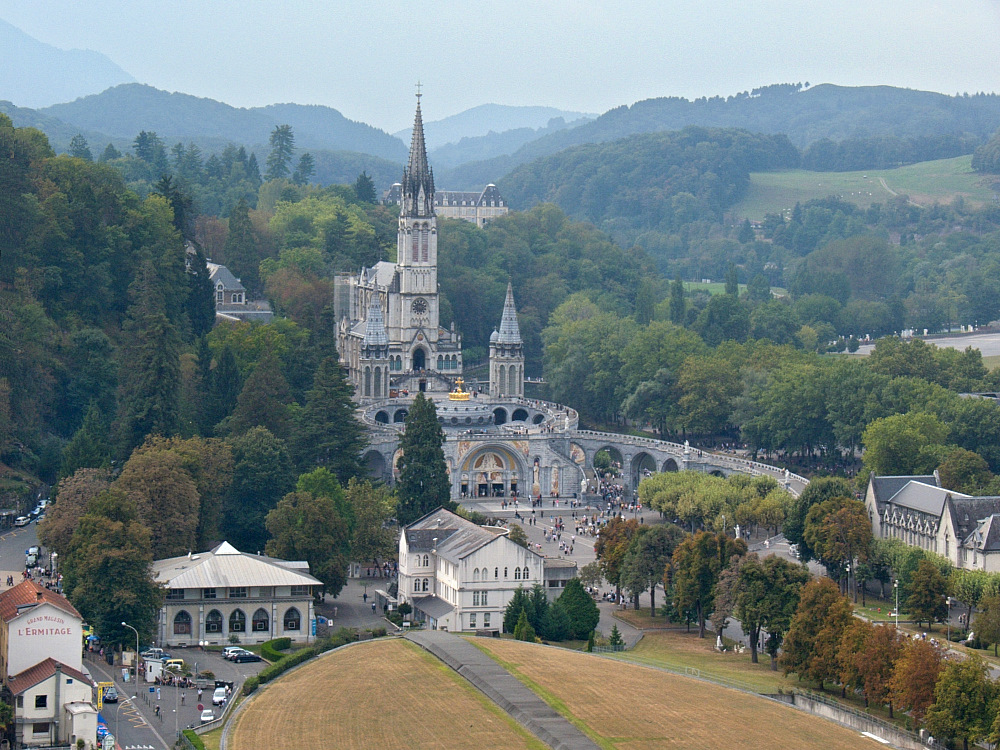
[{"x": 501, "y": 446}]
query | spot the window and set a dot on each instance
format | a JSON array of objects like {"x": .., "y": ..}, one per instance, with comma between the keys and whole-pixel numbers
[
  {"x": 496, "y": 572},
  {"x": 260, "y": 623},
  {"x": 237, "y": 298},
  {"x": 427, "y": 560},
  {"x": 426, "y": 584},
  {"x": 475, "y": 598},
  {"x": 505, "y": 573},
  {"x": 182, "y": 623},
  {"x": 524, "y": 574},
  {"x": 416, "y": 246},
  {"x": 237, "y": 592},
  {"x": 20, "y": 701},
  {"x": 40, "y": 727},
  {"x": 213, "y": 622},
  {"x": 41, "y": 701},
  {"x": 173, "y": 594},
  {"x": 472, "y": 620},
  {"x": 416, "y": 584},
  {"x": 486, "y": 619},
  {"x": 292, "y": 619},
  {"x": 483, "y": 598},
  {"x": 237, "y": 622},
  {"x": 208, "y": 593},
  {"x": 475, "y": 574},
  {"x": 220, "y": 296},
  {"x": 517, "y": 574},
  {"x": 300, "y": 591}
]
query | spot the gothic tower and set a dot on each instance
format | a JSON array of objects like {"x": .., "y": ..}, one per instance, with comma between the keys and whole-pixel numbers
[
  {"x": 507, "y": 353},
  {"x": 373, "y": 360}
]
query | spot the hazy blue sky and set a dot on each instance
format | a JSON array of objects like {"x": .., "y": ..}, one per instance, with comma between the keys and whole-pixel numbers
[{"x": 363, "y": 56}]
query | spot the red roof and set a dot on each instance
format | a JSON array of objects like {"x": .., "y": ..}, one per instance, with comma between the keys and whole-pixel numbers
[
  {"x": 41, "y": 672},
  {"x": 27, "y": 592}
]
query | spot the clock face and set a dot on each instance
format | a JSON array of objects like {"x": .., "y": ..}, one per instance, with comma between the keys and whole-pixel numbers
[{"x": 419, "y": 306}]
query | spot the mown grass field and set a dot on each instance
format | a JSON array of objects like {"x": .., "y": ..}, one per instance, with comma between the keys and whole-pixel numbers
[
  {"x": 629, "y": 707},
  {"x": 925, "y": 183},
  {"x": 383, "y": 694}
]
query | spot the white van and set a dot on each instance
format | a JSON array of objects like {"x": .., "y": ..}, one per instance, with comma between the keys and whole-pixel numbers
[{"x": 22, "y": 521}]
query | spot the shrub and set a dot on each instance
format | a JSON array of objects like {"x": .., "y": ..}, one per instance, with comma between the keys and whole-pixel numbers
[
  {"x": 194, "y": 739},
  {"x": 250, "y": 685},
  {"x": 271, "y": 650}
]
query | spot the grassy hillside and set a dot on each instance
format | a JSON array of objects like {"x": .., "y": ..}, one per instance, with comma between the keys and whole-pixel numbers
[{"x": 924, "y": 183}]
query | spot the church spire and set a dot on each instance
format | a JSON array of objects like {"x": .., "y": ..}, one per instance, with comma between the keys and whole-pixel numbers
[
  {"x": 418, "y": 178},
  {"x": 376, "y": 338},
  {"x": 510, "y": 333}
]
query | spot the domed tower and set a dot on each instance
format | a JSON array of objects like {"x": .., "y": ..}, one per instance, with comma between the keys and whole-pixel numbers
[
  {"x": 373, "y": 362},
  {"x": 507, "y": 353}
]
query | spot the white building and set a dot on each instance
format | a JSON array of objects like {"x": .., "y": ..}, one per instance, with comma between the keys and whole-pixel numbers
[
  {"x": 41, "y": 664},
  {"x": 214, "y": 595},
  {"x": 920, "y": 512},
  {"x": 460, "y": 576}
]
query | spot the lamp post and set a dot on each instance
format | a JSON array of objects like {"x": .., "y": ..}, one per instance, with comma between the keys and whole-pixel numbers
[
  {"x": 895, "y": 585},
  {"x": 136, "y": 665},
  {"x": 176, "y": 688}
]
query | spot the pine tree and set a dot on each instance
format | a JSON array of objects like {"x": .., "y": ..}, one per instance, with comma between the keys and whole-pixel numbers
[
  {"x": 328, "y": 434},
  {"x": 423, "y": 478},
  {"x": 264, "y": 400},
  {"x": 677, "y": 303},
  {"x": 523, "y": 630},
  {"x": 262, "y": 475},
  {"x": 732, "y": 284},
  {"x": 201, "y": 298},
  {"x": 305, "y": 169},
  {"x": 746, "y": 232},
  {"x": 282, "y": 146},
  {"x": 79, "y": 148},
  {"x": 515, "y": 607},
  {"x": 110, "y": 153},
  {"x": 149, "y": 402},
  {"x": 226, "y": 385},
  {"x": 615, "y": 639},
  {"x": 241, "y": 246},
  {"x": 364, "y": 188},
  {"x": 580, "y": 607},
  {"x": 89, "y": 447}
]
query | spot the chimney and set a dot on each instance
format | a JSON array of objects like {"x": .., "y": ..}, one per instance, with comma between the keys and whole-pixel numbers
[{"x": 38, "y": 596}]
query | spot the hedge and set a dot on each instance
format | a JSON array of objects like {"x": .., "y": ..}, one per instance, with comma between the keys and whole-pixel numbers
[
  {"x": 194, "y": 739},
  {"x": 287, "y": 661},
  {"x": 271, "y": 650}
]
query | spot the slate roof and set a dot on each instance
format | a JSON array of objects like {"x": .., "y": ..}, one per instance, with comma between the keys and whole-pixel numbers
[
  {"x": 375, "y": 333},
  {"x": 456, "y": 537},
  {"x": 885, "y": 487},
  {"x": 433, "y": 606},
  {"x": 986, "y": 536},
  {"x": 966, "y": 512},
  {"x": 27, "y": 593},
  {"x": 39, "y": 673},
  {"x": 923, "y": 497},
  {"x": 225, "y": 566},
  {"x": 509, "y": 331},
  {"x": 220, "y": 274}
]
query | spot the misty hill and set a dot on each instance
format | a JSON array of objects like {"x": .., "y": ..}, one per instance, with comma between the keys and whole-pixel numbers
[
  {"x": 123, "y": 111},
  {"x": 804, "y": 115},
  {"x": 493, "y": 144},
  {"x": 486, "y": 119},
  {"x": 36, "y": 74}
]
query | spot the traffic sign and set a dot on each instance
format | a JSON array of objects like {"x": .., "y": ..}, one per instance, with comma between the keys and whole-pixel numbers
[{"x": 201, "y": 707}]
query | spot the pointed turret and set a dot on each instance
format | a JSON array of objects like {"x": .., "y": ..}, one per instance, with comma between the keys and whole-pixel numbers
[
  {"x": 510, "y": 333},
  {"x": 418, "y": 178},
  {"x": 376, "y": 338}
]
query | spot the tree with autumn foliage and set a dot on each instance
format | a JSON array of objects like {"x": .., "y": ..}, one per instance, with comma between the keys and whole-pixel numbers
[
  {"x": 928, "y": 589},
  {"x": 816, "y": 630},
  {"x": 868, "y": 656},
  {"x": 611, "y": 547},
  {"x": 839, "y": 532},
  {"x": 914, "y": 677},
  {"x": 696, "y": 565}
]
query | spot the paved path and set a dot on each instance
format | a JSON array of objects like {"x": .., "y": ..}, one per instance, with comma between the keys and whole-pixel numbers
[{"x": 504, "y": 689}]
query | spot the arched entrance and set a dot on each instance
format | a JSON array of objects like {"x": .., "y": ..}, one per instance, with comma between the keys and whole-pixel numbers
[
  {"x": 519, "y": 415},
  {"x": 499, "y": 416},
  {"x": 491, "y": 471},
  {"x": 382, "y": 417},
  {"x": 643, "y": 465},
  {"x": 608, "y": 460},
  {"x": 400, "y": 416},
  {"x": 375, "y": 462},
  {"x": 419, "y": 359},
  {"x": 669, "y": 465}
]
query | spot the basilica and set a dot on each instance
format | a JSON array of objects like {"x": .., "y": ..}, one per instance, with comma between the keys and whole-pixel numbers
[{"x": 389, "y": 334}]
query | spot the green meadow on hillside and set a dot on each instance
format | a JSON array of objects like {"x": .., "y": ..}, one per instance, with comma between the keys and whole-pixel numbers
[{"x": 925, "y": 183}]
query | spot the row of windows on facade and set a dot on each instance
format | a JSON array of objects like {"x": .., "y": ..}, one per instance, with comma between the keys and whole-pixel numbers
[
  {"x": 479, "y": 598},
  {"x": 259, "y": 623},
  {"x": 493, "y": 204},
  {"x": 482, "y": 574},
  {"x": 237, "y": 592},
  {"x": 472, "y": 620},
  {"x": 220, "y": 296}
]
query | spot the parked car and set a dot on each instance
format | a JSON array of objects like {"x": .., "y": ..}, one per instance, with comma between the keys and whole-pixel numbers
[
  {"x": 207, "y": 715},
  {"x": 247, "y": 656},
  {"x": 229, "y": 651},
  {"x": 30, "y": 561},
  {"x": 22, "y": 521},
  {"x": 154, "y": 653},
  {"x": 235, "y": 652},
  {"x": 219, "y": 696},
  {"x": 175, "y": 664},
  {"x": 110, "y": 694}
]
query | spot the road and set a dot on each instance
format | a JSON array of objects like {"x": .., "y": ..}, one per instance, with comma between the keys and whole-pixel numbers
[
  {"x": 988, "y": 343},
  {"x": 13, "y": 543}
]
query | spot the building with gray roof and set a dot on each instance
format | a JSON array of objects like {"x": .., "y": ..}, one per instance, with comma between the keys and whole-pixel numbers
[{"x": 214, "y": 595}]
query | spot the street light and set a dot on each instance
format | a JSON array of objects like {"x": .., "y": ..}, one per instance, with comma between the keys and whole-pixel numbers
[
  {"x": 136, "y": 665},
  {"x": 176, "y": 688},
  {"x": 895, "y": 585}
]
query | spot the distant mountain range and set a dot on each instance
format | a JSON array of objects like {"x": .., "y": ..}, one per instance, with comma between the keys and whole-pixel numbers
[
  {"x": 489, "y": 119},
  {"x": 35, "y": 74}
]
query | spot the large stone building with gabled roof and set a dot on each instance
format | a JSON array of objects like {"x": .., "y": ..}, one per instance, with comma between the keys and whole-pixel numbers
[{"x": 214, "y": 595}]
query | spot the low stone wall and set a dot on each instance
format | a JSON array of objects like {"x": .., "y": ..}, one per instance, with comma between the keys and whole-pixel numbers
[{"x": 848, "y": 717}]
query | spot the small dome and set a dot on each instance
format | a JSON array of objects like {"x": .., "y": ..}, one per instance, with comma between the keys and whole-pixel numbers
[{"x": 494, "y": 336}]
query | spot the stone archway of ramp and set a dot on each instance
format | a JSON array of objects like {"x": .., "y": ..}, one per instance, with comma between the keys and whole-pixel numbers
[{"x": 504, "y": 689}]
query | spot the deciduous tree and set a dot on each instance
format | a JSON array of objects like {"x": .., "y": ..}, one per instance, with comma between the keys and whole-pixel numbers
[
  {"x": 373, "y": 506},
  {"x": 647, "y": 558},
  {"x": 262, "y": 475},
  {"x": 963, "y": 697},
  {"x": 613, "y": 541},
  {"x": 810, "y": 648},
  {"x": 696, "y": 565},
  {"x": 927, "y": 591},
  {"x": 72, "y": 495},
  {"x": 915, "y": 675}
]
